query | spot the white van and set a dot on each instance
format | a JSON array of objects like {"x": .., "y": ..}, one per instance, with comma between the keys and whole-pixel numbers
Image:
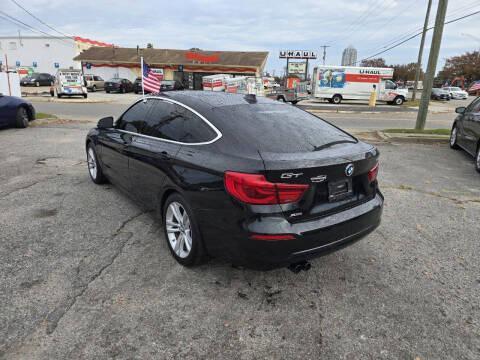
[
  {"x": 69, "y": 82},
  {"x": 337, "y": 83}
]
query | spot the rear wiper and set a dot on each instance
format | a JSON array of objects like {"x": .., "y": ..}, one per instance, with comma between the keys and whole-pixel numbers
[{"x": 324, "y": 146}]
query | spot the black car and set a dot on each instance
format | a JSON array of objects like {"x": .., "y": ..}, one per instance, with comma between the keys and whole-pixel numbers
[
  {"x": 258, "y": 182},
  {"x": 38, "y": 79},
  {"x": 165, "y": 85},
  {"x": 466, "y": 130},
  {"x": 15, "y": 111},
  {"x": 439, "y": 94},
  {"x": 118, "y": 85}
]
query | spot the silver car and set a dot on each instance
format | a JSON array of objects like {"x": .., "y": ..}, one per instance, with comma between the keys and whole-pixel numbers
[{"x": 94, "y": 82}]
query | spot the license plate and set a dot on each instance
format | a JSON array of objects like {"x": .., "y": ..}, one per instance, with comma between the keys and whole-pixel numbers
[{"x": 338, "y": 190}]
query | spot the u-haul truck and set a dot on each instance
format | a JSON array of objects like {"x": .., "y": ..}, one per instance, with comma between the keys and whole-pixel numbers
[{"x": 337, "y": 83}]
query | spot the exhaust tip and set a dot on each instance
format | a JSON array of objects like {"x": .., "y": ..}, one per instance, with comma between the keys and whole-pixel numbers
[{"x": 297, "y": 267}]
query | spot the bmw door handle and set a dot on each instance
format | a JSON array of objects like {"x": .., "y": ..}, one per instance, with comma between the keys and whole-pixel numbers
[{"x": 127, "y": 139}]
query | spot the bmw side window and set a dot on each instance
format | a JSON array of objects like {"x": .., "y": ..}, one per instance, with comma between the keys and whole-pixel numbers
[
  {"x": 174, "y": 122},
  {"x": 133, "y": 120}
]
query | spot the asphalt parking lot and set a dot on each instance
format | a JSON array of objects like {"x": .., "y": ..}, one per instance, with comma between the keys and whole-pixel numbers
[{"x": 86, "y": 274}]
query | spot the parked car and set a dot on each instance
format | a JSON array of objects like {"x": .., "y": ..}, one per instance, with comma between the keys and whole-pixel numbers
[
  {"x": 38, "y": 79},
  {"x": 165, "y": 85},
  {"x": 466, "y": 130},
  {"x": 440, "y": 94},
  {"x": 118, "y": 85},
  {"x": 253, "y": 180},
  {"x": 456, "y": 92},
  {"x": 94, "y": 82},
  {"x": 15, "y": 111}
]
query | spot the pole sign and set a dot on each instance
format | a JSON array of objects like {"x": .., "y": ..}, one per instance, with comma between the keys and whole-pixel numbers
[
  {"x": 34, "y": 64},
  {"x": 297, "y": 54},
  {"x": 17, "y": 63},
  {"x": 297, "y": 67}
]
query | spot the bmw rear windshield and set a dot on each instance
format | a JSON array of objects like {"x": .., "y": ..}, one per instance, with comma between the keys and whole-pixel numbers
[{"x": 277, "y": 127}]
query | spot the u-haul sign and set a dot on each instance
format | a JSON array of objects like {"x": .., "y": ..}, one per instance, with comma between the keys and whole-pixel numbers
[{"x": 297, "y": 54}]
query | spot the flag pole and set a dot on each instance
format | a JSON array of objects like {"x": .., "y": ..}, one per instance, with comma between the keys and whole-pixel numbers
[{"x": 141, "y": 69}]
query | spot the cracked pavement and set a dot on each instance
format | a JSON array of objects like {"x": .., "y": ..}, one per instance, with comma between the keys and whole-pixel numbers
[{"x": 86, "y": 274}]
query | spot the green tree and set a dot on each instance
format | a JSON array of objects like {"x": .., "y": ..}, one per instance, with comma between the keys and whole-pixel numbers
[
  {"x": 405, "y": 72},
  {"x": 149, "y": 46}
]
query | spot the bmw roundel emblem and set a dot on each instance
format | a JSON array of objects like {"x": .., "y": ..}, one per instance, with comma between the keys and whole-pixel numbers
[{"x": 349, "y": 170}]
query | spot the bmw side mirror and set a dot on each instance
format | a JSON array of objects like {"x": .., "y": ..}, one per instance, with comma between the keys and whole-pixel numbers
[
  {"x": 105, "y": 123},
  {"x": 460, "y": 110}
]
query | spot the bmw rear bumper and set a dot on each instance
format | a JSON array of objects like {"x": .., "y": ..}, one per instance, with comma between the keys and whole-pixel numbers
[{"x": 313, "y": 238}]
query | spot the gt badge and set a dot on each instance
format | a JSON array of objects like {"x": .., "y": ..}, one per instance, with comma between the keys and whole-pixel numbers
[{"x": 290, "y": 175}]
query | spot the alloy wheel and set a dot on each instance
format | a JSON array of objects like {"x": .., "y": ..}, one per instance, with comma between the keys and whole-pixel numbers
[
  {"x": 179, "y": 229},
  {"x": 478, "y": 160},
  {"x": 453, "y": 136},
  {"x": 24, "y": 116},
  {"x": 92, "y": 163}
]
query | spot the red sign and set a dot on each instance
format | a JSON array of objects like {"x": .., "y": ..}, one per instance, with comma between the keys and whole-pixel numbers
[{"x": 195, "y": 56}]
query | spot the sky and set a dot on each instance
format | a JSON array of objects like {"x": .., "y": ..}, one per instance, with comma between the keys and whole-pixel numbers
[{"x": 256, "y": 25}]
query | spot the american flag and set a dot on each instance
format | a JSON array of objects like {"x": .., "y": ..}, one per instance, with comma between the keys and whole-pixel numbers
[
  {"x": 151, "y": 80},
  {"x": 475, "y": 86}
]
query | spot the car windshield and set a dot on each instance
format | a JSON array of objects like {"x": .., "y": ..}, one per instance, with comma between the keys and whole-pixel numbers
[
  {"x": 455, "y": 89},
  {"x": 167, "y": 83},
  {"x": 115, "y": 80}
]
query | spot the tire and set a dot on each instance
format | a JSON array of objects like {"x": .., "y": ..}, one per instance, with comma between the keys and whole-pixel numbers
[
  {"x": 94, "y": 168},
  {"x": 336, "y": 99},
  {"x": 281, "y": 98},
  {"x": 122, "y": 90},
  {"x": 107, "y": 91},
  {"x": 85, "y": 96},
  {"x": 37, "y": 84},
  {"x": 477, "y": 159},
  {"x": 294, "y": 102},
  {"x": 136, "y": 91},
  {"x": 22, "y": 119},
  {"x": 59, "y": 96},
  {"x": 94, "y": 88},
  {"x": 454, "y": 138},
  {"x": 175, "y": 230},
  {"x": 399, "y": 100}
]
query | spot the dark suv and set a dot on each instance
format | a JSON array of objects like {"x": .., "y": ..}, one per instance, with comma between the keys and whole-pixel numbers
[{"x": 165, "y": 85}]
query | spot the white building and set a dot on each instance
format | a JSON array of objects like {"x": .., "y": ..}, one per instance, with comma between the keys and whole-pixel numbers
[
  {"x": 43, "y": 54},
  {"x": 349, "y": 56}
]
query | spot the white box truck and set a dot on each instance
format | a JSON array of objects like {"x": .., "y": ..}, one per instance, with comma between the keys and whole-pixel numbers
[{"x": 337, "y": 83}]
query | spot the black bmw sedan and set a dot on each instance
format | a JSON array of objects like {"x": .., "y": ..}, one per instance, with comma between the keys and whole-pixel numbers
[
  {"x": 466, "y": 130},
  {"x": 258, "y": 182}
]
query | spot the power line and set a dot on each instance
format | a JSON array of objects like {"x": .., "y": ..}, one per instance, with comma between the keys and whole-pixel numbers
[
  {"x": 40, "y": 20},
  {"x": 417, "y": 34},
  {"x": 17, "y": 22},
  {"x": 416, "y": 29}
]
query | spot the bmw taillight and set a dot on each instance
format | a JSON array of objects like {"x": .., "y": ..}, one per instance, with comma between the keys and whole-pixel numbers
[
  {"x": 372, "y": 174},
  {"x": 255, "y": 189}
]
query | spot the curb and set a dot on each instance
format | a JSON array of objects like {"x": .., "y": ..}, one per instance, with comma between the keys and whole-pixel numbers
[
  {"x": 68, "y": 100},
  {"x": 413, "y": 138}
]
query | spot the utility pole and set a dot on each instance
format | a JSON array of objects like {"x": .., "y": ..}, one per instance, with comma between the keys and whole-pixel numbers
[
  {"x": 420, "y": 51},
  {"x": 324, "y": 52},
  {"x": 432, "y": 64}
]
